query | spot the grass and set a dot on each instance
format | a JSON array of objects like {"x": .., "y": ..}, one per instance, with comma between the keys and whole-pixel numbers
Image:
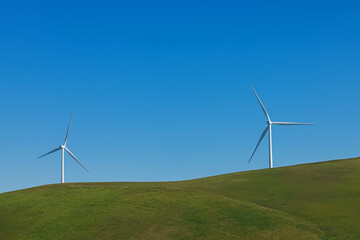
[{"x": 310, "y": 201}]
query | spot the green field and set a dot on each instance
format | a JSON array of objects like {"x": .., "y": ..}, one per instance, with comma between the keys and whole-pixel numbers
[{"x": 310, "y": 201}]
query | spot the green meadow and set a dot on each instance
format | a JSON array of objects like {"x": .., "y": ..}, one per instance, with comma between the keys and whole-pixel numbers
[{"x": 309, "y": 201}]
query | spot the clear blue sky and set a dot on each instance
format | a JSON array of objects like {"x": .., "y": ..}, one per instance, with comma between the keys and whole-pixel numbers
[{"x": 161, "y": 91}]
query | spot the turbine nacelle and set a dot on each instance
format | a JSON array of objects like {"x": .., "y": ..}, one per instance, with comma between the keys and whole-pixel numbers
[{"x": 62, "y": 146}]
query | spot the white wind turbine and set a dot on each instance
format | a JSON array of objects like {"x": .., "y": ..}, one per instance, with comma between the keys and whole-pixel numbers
[
  {"x": 63, "y": 148},
  {"x": 268, "y": 128}
]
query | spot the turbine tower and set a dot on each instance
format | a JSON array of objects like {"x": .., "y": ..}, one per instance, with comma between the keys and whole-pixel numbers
[
  {"x": 268, "y": 129},
  {"x": 63, "y": 148}
]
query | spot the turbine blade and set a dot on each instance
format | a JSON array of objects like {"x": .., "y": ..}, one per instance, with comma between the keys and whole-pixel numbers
[
  {"x": 67, "y": 133},
  {"x": 261, "y": 138},
  {"x": 73, "y": 156},
  {"x": 261, "y": 104},
  {"x": 52, "y": 151},
  {"x": 292, "y": 123}
]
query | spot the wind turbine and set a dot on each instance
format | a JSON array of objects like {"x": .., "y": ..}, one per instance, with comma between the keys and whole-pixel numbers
[
  {"x": 63, "y": 148},
  {"x": 268, "y": 129}
]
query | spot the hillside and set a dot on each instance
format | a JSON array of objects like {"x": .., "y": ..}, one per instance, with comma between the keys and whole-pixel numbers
[{"x": 310, "y": 201}]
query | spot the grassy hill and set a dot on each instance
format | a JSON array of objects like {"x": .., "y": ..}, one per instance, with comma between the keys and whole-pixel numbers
[{"x": 310, "y": 201}]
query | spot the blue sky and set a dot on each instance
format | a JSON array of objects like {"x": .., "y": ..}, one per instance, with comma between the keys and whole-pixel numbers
[{"x": 161, "y": 91}]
